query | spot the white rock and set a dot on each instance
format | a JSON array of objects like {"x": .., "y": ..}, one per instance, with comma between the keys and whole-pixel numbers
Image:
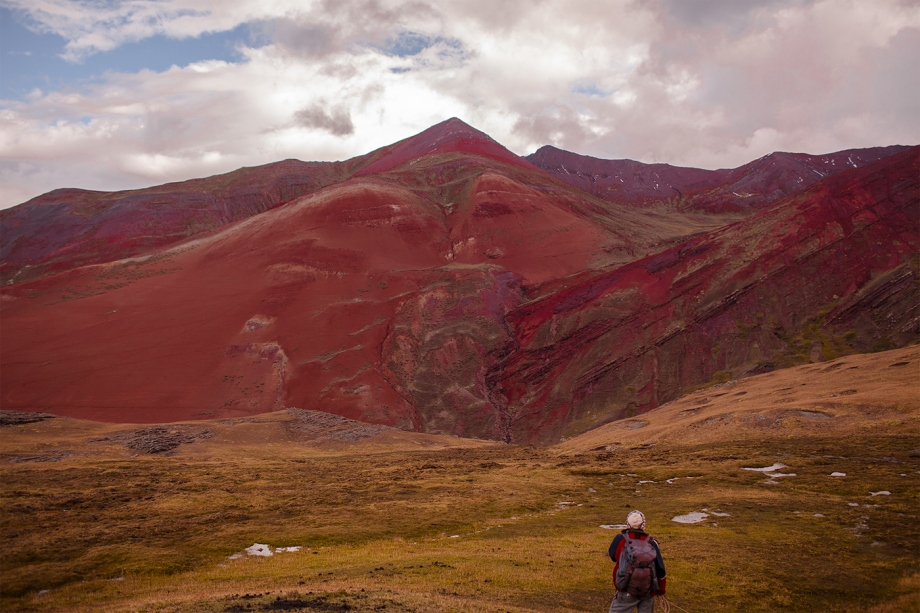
[
  {"x": 838, "y": 474},
  {"x": 614, "y": 526},
  {"x": 881, "y": 493}
]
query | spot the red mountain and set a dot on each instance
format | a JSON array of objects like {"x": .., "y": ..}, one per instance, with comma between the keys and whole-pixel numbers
[
  {"x": 753, "y": 186},
  {"x": 442, "y": 284},
  {"x": 827, "y": 272}
]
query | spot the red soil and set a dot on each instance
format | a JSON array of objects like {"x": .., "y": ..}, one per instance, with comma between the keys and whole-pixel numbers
[{"x": 453, "y": 289}]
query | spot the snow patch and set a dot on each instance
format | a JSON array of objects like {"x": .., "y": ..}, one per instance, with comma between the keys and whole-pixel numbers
[
  {"x": 768, "y": 469},
  {"x": 259, "y": 549},
  {"x": 838, "y": 474},
  {"x": 690, "y": 518},
  {"x": 881, "y": 493},
  {"x": 614, "y": 526},
  {"x": 263, "y": 550}
]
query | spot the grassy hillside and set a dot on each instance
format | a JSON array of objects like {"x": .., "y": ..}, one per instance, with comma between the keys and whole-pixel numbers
[{"x": 397, "y": 522}]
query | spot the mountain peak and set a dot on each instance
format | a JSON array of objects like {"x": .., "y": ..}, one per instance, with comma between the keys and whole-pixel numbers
[{"x": 449, "y": 136}]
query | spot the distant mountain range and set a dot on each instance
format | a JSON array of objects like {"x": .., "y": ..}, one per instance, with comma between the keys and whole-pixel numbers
[
  {"x": 755, "y": 185},
  {"x": 446, "y": 285}
]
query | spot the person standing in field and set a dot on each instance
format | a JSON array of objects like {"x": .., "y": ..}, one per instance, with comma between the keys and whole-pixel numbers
[{"x": 638, "y": 573}]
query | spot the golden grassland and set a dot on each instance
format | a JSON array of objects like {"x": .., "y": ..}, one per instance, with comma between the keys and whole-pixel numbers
[{"x": 398, "y": 522}]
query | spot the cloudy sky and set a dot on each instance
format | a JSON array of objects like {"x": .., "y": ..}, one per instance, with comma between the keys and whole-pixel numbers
[{"x": 109, "y": 94}]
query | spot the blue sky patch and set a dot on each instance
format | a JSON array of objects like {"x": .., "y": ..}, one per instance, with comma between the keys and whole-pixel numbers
[
  {"x": 29, "y": 60},
  {"x": 590, "y": 89},
  {"x": 408, "y": 44}
]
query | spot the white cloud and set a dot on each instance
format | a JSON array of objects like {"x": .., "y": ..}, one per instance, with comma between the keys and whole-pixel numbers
[{"x": 330, "y": 79}]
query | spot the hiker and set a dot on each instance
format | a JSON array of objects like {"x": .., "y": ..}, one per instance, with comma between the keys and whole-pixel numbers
[{"x": 638, "y": 573}]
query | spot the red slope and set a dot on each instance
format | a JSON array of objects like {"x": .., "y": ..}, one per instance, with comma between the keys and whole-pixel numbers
[
  {"x": 66, "y": 228},
  {"x": 806, "y": 276},
  {"x": 284, "y": 304},
  {"x": 303, "y": 305}
]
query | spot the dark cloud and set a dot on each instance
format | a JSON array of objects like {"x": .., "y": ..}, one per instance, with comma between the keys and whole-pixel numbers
[
  {"x": 336, "y": 121},
  {"x": 162, "y": 130},
  {"x": 895, "y": 89},
  {"x": 337, "y": 26},
  {"x": 555, "y": 125},
  {"x": 300, "y": 39},
  {"x": 733, "y": 15}
]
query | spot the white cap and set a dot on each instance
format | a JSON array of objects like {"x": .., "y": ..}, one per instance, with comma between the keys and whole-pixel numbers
[{"x": 636, "y": 520}]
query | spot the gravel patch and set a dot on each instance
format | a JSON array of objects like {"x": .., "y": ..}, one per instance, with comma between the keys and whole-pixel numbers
[
  {"x": 158, "y": 439},
  {"x": 317, "y": 425},
  {"x": 17, "y": 418}
]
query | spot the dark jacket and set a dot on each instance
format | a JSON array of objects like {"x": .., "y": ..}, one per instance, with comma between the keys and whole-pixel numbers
[{"x": 616, "y": 547}]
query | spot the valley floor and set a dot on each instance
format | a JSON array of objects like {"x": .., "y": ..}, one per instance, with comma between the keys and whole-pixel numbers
[{"x": 397, "y": 522}]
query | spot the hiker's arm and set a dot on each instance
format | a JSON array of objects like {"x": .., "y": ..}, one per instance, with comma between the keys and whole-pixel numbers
[
  {"x": 612, "y": 552},
  {"x": 659, "y": 571},
  {"x": 662, "y": 586}
]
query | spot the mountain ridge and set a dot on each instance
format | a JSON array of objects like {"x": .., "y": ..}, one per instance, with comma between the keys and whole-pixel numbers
[{"x": 750, "y": 186}]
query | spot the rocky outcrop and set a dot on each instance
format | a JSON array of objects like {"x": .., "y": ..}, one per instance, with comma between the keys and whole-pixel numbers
[{"x": 442, "y": 343}]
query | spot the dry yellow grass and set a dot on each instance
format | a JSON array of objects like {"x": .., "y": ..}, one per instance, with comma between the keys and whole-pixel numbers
[
  {"x": 878, "y": 392},
  {"x": 396, "y": 522}
]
